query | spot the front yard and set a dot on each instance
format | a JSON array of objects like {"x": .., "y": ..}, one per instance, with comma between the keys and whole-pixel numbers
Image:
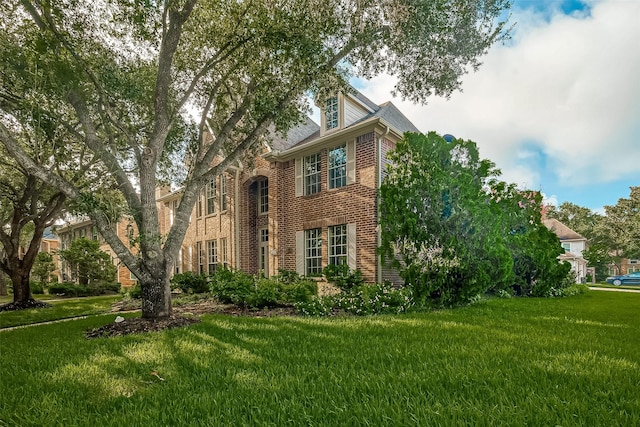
[{"x": 528, "y": 361}]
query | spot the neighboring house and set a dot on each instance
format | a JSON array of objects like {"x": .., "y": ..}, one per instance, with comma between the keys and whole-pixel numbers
[
  {"x": 626, "y": 266},
  {"x": 573, "y": 245},
  {"x": 307, "y": 201},
  {"x": 84, "y": 227}
]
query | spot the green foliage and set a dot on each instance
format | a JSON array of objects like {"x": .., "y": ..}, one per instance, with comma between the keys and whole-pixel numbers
[
  {"x": 91, "y": 266},
  {"x": 68, "y": 289},
  {"x": 36, "y": 287},
  {"x": 438, "y": 223},
  {"x": 237, "y": 287},
  {"x": 42, "y": 268},
  {"x": 191, "y": 283},
  {"x": 342, "y": 276}
]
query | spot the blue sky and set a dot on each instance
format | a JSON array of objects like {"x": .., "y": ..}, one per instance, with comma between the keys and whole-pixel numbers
[{"x": 557, "y": 108}]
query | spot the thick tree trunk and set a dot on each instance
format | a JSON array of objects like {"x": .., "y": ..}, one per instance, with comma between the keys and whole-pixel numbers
[
  {"x": 21, "y": 290},
  {"x": 156, "y": 298}
]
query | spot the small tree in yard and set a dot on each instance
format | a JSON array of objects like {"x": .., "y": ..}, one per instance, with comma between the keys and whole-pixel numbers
[
  {"x": 43, "y": 267},
  {"x": 126, "y": 77},
  {"x": 89, "y": 265}
]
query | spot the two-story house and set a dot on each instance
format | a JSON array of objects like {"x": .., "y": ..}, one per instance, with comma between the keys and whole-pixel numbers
[
  {"x": 309, "y": 200},
  {"x": 573, "y": 245}
]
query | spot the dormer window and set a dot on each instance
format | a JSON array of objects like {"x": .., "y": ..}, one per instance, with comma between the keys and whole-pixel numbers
[{"x": 331, "y": 113}]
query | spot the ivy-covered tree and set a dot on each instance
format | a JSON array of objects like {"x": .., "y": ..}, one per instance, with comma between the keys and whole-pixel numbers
[
  {"x": 89, "y": 265},
  {"x": 126, "y": 78}
]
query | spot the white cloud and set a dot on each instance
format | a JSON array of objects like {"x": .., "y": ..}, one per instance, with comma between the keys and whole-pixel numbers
[{"x": 566, "y": 85}]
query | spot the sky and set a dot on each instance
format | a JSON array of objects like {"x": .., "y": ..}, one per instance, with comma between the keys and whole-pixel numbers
[{"x": 557, "y": 107}]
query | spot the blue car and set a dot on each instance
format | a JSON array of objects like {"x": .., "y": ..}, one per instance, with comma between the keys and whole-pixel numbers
[{"x": 627, "y": 279}]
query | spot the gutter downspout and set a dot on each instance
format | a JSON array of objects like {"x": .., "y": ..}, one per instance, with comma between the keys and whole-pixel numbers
[
  {"x": 378, "y": 184},
  {"x": 236, "y": 208}
]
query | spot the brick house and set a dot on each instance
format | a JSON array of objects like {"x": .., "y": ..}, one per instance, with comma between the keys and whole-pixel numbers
[
  {"x": 83, "y": 227},
  {"x": 308, "y": 200}
]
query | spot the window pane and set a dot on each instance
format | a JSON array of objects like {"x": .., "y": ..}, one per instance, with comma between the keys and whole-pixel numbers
[
  {"x": 338, "y": 167},
  {"x": 263, "y": 196},
  {"x": 331, "y": 113},
  {"x": 211, "y": 197},
  {"x": 313, "y": 252},
  {"x": 338, "y": 244},
  {"x": 312, "y": 168}
]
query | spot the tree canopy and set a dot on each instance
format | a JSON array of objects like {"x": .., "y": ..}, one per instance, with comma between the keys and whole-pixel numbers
[
  {"x": 455, "y": 231},
  {"x": 125, "y": 79}
]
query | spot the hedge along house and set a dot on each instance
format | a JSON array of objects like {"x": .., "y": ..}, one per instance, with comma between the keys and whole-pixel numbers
[{"x": 306, "y": 201}]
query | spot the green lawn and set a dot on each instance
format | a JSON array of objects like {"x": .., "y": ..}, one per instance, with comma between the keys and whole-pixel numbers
[
  {"x": 60, "y": 309},
  {"x": 566, "y": 361}
]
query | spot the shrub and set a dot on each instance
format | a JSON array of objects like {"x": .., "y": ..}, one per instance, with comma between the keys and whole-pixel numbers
[
  {"x": 36, "y": 288},
  {"x": 134, "y": 291},
  {"x": 343, "y": 277},
  {"x": 302, "y": 290},
  {"x": 190, "y": 283},
  {"x": 322, "y": 306},
  {"x": 72, "y": 290},
  {"x": 232, "y": 287}
]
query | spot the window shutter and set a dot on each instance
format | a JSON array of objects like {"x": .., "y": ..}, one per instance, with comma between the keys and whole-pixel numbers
[
  {"x": 351, "y": 246},
  {"x": 300, "y": 253},
  {"x": 351, "y": 162},
  {"x": 299, "y": 180}
]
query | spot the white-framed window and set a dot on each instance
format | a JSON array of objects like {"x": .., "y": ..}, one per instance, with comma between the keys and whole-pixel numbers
[
  {"x": 331, "y": 113},
  {"x": 94, "y": 233},
  {"x": 566, "y": 247},
  {"x": 224, "y": 256},
  {"x": 223, "y": 192},
  {"x": 263, "y": 251},
  {"x": 212, "y": 256},
  {"x": 200, "y": 255},
  {"x": 338, "y": 167},
  {"x": 313, "y": 251},
  {"x": 633, "y": 261},
  {"x": 312, "y": 167},
  {"x": 200, "y": 208},
  {"x": 337, "y": 236},
  {"x": 263, "y": 196},
  {"x": 211, "y": 197}
]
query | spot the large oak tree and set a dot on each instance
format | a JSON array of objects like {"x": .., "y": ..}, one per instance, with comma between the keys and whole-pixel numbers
[{"x": 125, "y": 76}]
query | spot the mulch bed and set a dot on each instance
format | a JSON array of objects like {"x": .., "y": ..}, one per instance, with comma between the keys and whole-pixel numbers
[
  {"x": 32, "y": 303},
  {"x": 183, "y": 315}
]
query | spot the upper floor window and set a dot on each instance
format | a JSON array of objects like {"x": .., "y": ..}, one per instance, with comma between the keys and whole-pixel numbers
[
  {"x": 223, "y": 193},
  {"x": 331, "y": 113},
  {"x": 312, "y": 167},
  {"x": 566, "y": 247},
  {"x": 263, "y": 196},
  {"x": 211, "y": 196},
  {"x": 338, "y": 167}
]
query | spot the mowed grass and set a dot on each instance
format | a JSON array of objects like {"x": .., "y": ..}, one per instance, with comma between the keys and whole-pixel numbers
[
  {"x": 566, "y": 361},
  {"x": 60, "y": 309}
]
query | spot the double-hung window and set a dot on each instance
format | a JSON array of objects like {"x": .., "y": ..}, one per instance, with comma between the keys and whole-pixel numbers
[
  {"x": 223, "y": 193},
  {"x": 313, "y": 251},
  {"x": 212, "y": 255},
  {"x": 312, "y": 167},
  {"x": 211, "y": 197},
  {"x": 337, "y": 236},
  {"x": 338, "y": 167},
  {"x": 331, "y": 113},
  {"x": 263, "y": 196}
]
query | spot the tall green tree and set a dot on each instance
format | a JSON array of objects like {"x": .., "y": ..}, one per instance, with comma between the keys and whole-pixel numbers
[
  {"x": 621, "y": 224},
  {"x": 43, "y": 266},
  {"x": 89, "y": 265},
  {"x": 27, "y": 207},
  {"x": 454, "y": 230},
  {"x": 580, "y": 219},
  {"x": 125, "y": 77},
  {"x": 437, "y": 219}
]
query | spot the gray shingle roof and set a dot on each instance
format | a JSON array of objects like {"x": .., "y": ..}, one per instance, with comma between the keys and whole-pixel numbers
[{"x": 301, "y": 132}]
